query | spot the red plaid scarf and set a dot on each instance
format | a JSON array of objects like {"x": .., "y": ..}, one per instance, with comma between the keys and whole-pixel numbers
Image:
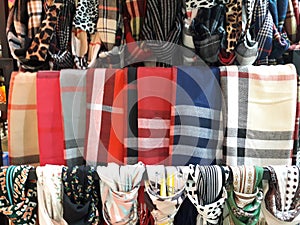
[
  {"x": 50, "y": 122},
  {"x": 154, "y": 112}
]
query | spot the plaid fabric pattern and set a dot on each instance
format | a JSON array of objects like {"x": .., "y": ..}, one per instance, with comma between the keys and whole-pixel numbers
[
  {"x": 256, "y": 100},
  {"x": 196, "y": 131},
  {"x": 106, "y": 109},
  {"x": 263, "y": 23},
  {"x": 131, "y": 112},
  {"x": 73, "y": 99},
  {"x": 49, "y": 118},
  {"x": 154, "y": 87},
  {"x": 162, "y": 26},
  {"x": 108, "y": 22},
  {"x": 35, "y": 12},
  {"x": 23, "y": 144},
  {"x": 290, "y": 23},
  {"x": 60, "y": 48}
]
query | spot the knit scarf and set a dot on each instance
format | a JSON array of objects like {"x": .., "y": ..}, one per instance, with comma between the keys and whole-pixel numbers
[
  {"x": 245, "y": 195},
  {"x": 49, "y": 190},
  {"x": 206, "y": 192},
  {"x": 162, "y": 28},
  {"x": 165, "y": 191},
  {"x": 18, "y": 195},
  {"x": 119, "y": 187},
  {"x": 281, "y": 204},
  {"x": 80, "y": 200}
]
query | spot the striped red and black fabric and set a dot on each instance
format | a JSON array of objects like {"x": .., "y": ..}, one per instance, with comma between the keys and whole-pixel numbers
[
  {"x": 154, "y": 87},
  {"x": 49, "y": 116},
  {"x": 260, "y": 114}
]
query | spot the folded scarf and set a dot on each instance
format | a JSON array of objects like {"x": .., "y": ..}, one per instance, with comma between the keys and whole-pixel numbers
[
  {"x": 49, "y": 193},
  {"x": 24, "y": 21},
  {"x": 162, "y": 28},
  {"x": 252, "y": 94},
  {"x": 80, "y": 199},
  {"x": 73, "y": 100},
  {"x": 154, "y": 87},
  {"x": 245, "y": 195},
  {"x": 165, "y": 191},
  {"x": 131, "y": 115},
  {"x": 119, "y": 190},
  {"x": 281, "y": 203},
  {"x": 23, "y": 143},
  {"x": 206, "y": 192},
  {"x": 196, "y": 131},
  {"x": 18, "y": 195},
  {"x": 49, "y": 118}
]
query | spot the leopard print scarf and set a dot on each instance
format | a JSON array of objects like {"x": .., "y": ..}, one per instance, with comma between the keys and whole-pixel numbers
[{"x": 18, "y": 195}]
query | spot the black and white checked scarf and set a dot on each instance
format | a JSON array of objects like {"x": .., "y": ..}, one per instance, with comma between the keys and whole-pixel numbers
[
  {"x": 162, "y": 28},
  {"x": 205, "y": 189}
]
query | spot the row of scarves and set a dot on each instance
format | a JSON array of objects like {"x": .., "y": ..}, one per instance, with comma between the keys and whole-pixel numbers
[
  {"x": 145, "y": 195},
  {"x": 233, "y": 115},
  {"x": 66, "y": 33}
]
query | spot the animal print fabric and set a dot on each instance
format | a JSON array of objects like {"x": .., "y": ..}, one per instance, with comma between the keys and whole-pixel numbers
[
  {"x": 18, "y": 195},
  {"x": 86, "y": 15},
  {"x": 196, "y": 4}
]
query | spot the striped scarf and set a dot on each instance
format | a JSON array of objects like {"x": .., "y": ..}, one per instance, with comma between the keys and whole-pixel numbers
[
  {"x": 154, "y": 87},
  {"x": 73, "y": 99},
  {"x": 196, "y": 131},
  {"x": 49, "y": 116},
  {"x": 252, "y": 136},
  {"x": 162, "y": 28},
  {"x": 119, "y": 187},
  {"x": 23, "y": 143},
  {"x": 18, "y": 195}
]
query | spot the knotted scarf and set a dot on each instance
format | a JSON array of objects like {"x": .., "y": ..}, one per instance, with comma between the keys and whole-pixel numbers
[
  {"x": 206, "y": 191},
  {"x": 281, "y": 204},
  {"x": 165, "y": 191},
  {"x": 50, "y": 195},
  {"x": 80, "y": 199},
  {"x": 245, "y": 195},
  {"x": 18, "y": 195},
  {"x": 119, "y": 187}
]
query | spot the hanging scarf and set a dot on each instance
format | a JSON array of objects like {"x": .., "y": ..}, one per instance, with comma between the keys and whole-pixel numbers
[
  {"x": 49, "y": 190},
  {"x": 80, "y": 200},
  {"x": 196, "y": 131},
  {"x": 18, "y": 195},
  {"x": 247, "y": 48},
  {"x": 154, "y": 87},
  {"x": 60, "y": 48},
  {"x": 23, "y": 146},
  {"x": 206, "y": 192},
  {"x": 196, "y": 4},
  {"x": 37, "y": 53},
  {"x": 73, "y": 100},
  {"x": 131, "y": 115},
  {"x": 24, "y": 21},
  {"x": 162, "y": 28},
  {"x": 252, "y": 137},
  {"x": 119, "y": 190},
  {"x": 263, "y": 23},
  {"x": 49, "y": 116},
  {"x": 281, "y": 204},
  {"x": 290, "y": 23},
  {"x": 208, "y": 32},
  {"x": 165, "y": 191},
  {"x": 245, "y": 195}
]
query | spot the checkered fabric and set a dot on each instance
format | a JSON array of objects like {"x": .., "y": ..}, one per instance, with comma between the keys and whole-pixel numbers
[
  {"x": 23, "y": 143},
  {"x": 162, "y": 26},
  {"x": 154, "y": 87},
  {"x": 290, "y": 23},
  {"x": 260, "y": 114},
  {"x": 105, "y": 116},
  {"x": 49, "y": 118},
  {"x": 196, "y": 131},
  {"x": 73, "y": 99}
]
